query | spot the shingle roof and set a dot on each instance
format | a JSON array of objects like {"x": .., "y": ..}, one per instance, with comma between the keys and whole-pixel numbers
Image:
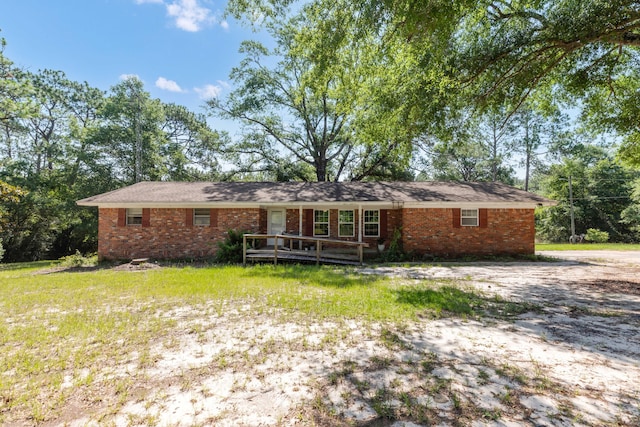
[{"x": 313, "y": 192}]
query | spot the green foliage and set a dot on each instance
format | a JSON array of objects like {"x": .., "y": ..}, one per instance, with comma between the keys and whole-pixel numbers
[
  {"x": 394, "y": 253},
  {"x": 590, "y": 247},
  {"x": 230, "y": 249},
  {"x": 64, "y": 140},
  {"x": 329, "y": 109},
  {"x": 1, "y": 250},
  {"x": 79, "y": 260},
  {"x": 602, "y": 197},
  {"x": 596, "y": 236}
]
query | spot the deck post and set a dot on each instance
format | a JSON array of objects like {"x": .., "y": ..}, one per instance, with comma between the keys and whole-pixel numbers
[
  {"x": 244, "y": 250},
  {"x": 318, "y": 250},
  {"x": 275, "y": 251},
  {"x": 360, "y": 253}
]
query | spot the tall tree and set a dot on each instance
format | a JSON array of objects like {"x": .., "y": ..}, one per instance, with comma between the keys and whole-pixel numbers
[
  {"x": 132, "y": 131},
  {"x": 338, "y": 110},
  {"x": 286, "y": 116},
  {"x": 192, "y": 148},
  {"x": 499, "y": 50},
  {"x": 601, "y": 189}
]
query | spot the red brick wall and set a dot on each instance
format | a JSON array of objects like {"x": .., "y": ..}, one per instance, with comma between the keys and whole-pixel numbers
[
  {"x": 431, "y": 231},
  {"x": 168, "y": 235},
  {"x": 424, "y": 231}
]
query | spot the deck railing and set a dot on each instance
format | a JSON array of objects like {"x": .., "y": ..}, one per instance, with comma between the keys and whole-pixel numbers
[{"x": 313, "y": 243}]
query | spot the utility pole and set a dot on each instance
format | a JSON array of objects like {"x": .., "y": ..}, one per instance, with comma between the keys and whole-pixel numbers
[{"x": 573, "y": 220}]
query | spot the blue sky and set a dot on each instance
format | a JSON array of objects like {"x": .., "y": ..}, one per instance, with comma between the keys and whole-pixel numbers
[{"x": 183, "y": 50}]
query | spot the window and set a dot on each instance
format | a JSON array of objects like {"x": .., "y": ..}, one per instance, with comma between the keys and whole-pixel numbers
[
  {"x": 134, "y": 216},
  {"x": 469, "y": 217},
  {"x": 202, "y": 217},
  {"x": 320, "y": 223},
  {"x": 371, "y": 223},
  {"x": 345, "y": 224}
]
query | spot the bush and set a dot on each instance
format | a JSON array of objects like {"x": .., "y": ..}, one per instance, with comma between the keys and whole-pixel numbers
[
  {"x": 1, "y": 250},
  {"x": 230, "y": 250},
  {"x": 79, "y": 260},
  {"x": 395, "y": 252},
  {"x": 596, "y": 236}
]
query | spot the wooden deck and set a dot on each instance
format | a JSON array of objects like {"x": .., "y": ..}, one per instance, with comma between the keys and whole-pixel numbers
[{"x": 291, "y": 249}]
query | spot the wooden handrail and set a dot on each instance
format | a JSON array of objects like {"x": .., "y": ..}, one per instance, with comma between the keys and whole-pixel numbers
[
  {"x": 306, "y": 238},
  {"x": 319, "y": 241}
]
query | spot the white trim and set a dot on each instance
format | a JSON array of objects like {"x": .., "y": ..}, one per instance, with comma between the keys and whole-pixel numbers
[
  {"x": 360, "y": 226},
  {"x": 317, "y": 205},
  {"x": 377, "y": 222},
  {"x": 195, "y": 216},
  {"x": 270, "y": 229},
  {"x": 353, "y": 222},
  {"x": 131, "y": 215},
  {"x": 476, "y": 217},
  {"x": 328, "y": 223}
]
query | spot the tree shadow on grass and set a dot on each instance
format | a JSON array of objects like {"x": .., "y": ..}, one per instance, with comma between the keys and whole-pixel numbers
[
  {"x": 446, "y": 301},
  {"x": 16, "y": 266},
  {"x": 314, "y": 275}
]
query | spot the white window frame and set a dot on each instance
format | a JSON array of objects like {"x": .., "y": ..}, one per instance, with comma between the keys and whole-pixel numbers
[
  {"x": 327, "y": 222},
  {"x": 352, "y": 223},
  {"x": 201, "y": 219},
  {"x": 471, "y": 216},
  {"x": 134, "y": 216},
  {"x": 366, "y": 222}
]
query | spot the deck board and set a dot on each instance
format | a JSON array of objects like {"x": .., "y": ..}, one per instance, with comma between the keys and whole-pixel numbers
[{"x": 301, "y": 257}]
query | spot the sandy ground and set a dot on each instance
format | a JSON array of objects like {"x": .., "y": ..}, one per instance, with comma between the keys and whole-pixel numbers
[{"x": 574, "y": 359}]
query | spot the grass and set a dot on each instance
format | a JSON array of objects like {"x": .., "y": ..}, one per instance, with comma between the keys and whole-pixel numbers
[
  {"x": 587, "y": 246},
  {"x": 65, "y": 324}
]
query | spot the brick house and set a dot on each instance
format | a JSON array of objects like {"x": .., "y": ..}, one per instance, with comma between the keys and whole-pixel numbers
[{"x": 188, "y": 219}]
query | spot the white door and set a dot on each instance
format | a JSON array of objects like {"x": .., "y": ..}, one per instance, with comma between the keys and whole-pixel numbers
[{"x": 276, "y": 224}]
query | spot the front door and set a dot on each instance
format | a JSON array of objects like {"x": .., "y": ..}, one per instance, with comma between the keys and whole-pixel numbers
[{"x": 276, "y": 224}]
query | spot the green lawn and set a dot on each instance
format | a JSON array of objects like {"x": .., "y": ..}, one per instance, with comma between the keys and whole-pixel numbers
[
  {"x": 587, "y": 247},
  {"x": 57, "y": 325}
]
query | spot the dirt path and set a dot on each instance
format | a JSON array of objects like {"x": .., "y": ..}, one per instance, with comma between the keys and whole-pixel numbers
[{"x": 572, "y": 359}]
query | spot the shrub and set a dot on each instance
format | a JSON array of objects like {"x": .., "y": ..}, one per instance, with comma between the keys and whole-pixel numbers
[
  {"x": 395, "y": 252},
  {"x": 230, "y": 249},
  {"x": 79, "y": 260},
  {"x": 1, "y": 250},
  {"x": 596, "y": 236}
]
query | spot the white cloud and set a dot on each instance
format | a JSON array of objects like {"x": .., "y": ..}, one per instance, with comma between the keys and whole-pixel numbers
[
  {"x": 189, "y": 15},
  {"x": 224, "y": 25},
  {"x": 149, "y": 1},
  {"x": 129, "y": 76},
  {"x": 169, "y": 85},
  {"x": 208, "y": 91}
]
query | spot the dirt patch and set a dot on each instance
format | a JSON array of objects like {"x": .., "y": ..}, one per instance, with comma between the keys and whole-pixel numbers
[
  {"x": 613, "y": 286},
  {"x": 142, "y": 266},
  {"x": 570, "y": 357}
]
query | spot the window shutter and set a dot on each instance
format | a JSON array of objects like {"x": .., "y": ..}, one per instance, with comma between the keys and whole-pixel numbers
[
  {"x": 188, "y": 217},
  {"x": 213, "y": 218},
  {"x": 308, "y": 225},
  {"x": 383, "y": 223},
  {"x": 122, "y": 217},
  {"x": 456, "y": 218},
  {"x": 483, "y": 222},
  {"x": 146, "y": 217}
]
